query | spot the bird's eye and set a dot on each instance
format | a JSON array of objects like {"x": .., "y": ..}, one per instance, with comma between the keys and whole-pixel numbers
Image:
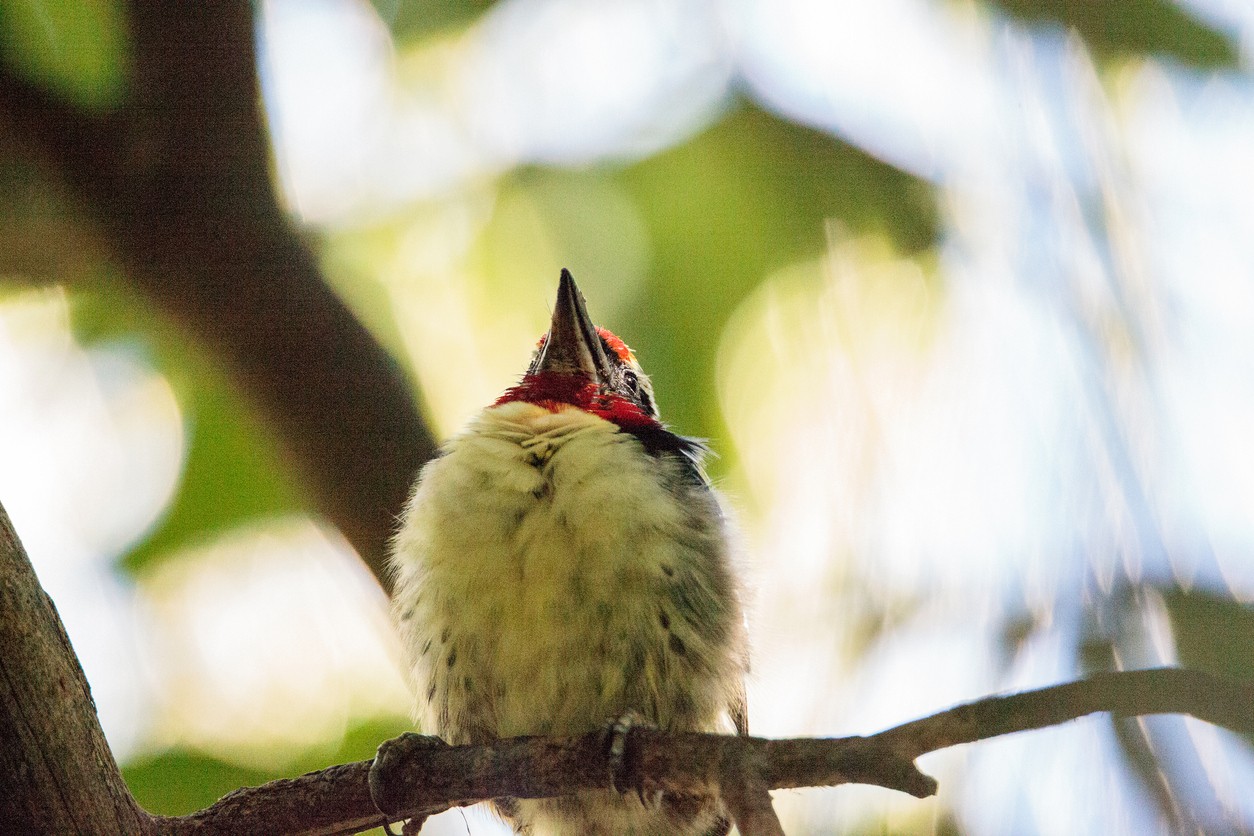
[{"x": 640, "y": 391}]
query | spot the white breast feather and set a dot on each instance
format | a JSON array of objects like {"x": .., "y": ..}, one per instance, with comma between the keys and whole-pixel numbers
[{"x": 534, "y": 573}]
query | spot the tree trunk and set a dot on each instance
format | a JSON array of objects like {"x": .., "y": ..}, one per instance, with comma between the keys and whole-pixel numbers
[{"x": 57, "y": 774}]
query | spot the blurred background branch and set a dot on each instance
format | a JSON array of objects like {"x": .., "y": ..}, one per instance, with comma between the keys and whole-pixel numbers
[{"x": 177, "y": 174}]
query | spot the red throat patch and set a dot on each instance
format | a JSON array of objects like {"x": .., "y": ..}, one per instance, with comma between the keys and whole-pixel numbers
[{"x": 554, "y": 392}]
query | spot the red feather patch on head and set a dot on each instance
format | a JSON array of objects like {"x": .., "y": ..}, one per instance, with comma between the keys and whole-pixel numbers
[
  {"x": 554, "y": 392},
  {"x": 616, "y": 345},
  {"x": 612, "y": 340}
]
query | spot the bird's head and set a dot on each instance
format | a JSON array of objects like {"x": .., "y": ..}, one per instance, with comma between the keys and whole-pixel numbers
[{"x": 578, "y": 364}]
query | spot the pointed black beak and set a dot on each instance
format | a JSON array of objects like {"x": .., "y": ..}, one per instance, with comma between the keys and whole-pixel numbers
[{"x": 573, "y": 345}]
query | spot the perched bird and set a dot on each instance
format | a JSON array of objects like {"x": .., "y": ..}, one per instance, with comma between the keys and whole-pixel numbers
[{"x": 564, "y": 562}]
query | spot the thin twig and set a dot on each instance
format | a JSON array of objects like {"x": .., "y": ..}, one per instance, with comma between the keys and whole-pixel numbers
[
  {"x": 1224, "y": 702},
  {"x": 750, "y": 807}
]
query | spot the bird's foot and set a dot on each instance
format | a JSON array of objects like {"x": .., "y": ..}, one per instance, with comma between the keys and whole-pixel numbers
[
  {"x": 621, "y": 769},
  {"x": 384, "y": 780}
]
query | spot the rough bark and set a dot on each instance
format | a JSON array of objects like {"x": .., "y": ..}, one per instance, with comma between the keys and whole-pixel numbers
[
  {"x": 418, "y": 780},
  {"x": 56, "y": 770}
]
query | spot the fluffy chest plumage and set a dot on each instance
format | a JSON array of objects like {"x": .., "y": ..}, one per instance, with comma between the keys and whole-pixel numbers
[{"x": 552, "y": 575}]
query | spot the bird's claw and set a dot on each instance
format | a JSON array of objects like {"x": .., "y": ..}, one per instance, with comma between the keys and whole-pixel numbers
[
  {"x": 389, "y": 756},
  {"x": 617, "y": 734}
]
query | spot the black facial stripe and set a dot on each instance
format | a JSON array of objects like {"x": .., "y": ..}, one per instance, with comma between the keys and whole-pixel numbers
[{"x": 646, "y": 402}]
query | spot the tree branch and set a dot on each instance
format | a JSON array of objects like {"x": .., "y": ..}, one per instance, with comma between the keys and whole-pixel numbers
[
  {"x": 1224, "y": 702},
  {"x": 703, "y": 763},
  {"x": 533, "y": 767},
  {"x": 59, "y": 775},
  {"x": 56, "y": 770},
  {"x": 329, "y": 801}
]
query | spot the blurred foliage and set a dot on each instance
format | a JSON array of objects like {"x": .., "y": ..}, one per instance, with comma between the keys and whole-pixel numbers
[
  {"x": 588, "y": 222},
  {"x": 181, "y": 781},
  {"x": 1115, "y": 29},
  {"x": 42, "y": 238},
  {"x": 232, "y": 472},
  {"x": 1212, "y": 633},
  {"x": 932, "y": 822},
  {"x": 750, "y": 195},
  {"x": 413, "y": 20},
  {"x": 75, "y": 48}
]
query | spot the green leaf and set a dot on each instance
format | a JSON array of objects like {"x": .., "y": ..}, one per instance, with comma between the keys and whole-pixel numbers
[{"x": 78, "y": 49}]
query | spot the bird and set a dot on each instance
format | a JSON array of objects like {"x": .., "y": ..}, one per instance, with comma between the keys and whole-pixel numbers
[{"x": 564, "y": 561}]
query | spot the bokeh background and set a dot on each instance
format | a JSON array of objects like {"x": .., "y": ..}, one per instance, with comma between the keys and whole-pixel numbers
[{"x": 962, "y": 293}]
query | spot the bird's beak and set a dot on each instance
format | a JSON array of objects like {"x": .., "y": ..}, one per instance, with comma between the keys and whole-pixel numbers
[{"x": 573, "y": 345}]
